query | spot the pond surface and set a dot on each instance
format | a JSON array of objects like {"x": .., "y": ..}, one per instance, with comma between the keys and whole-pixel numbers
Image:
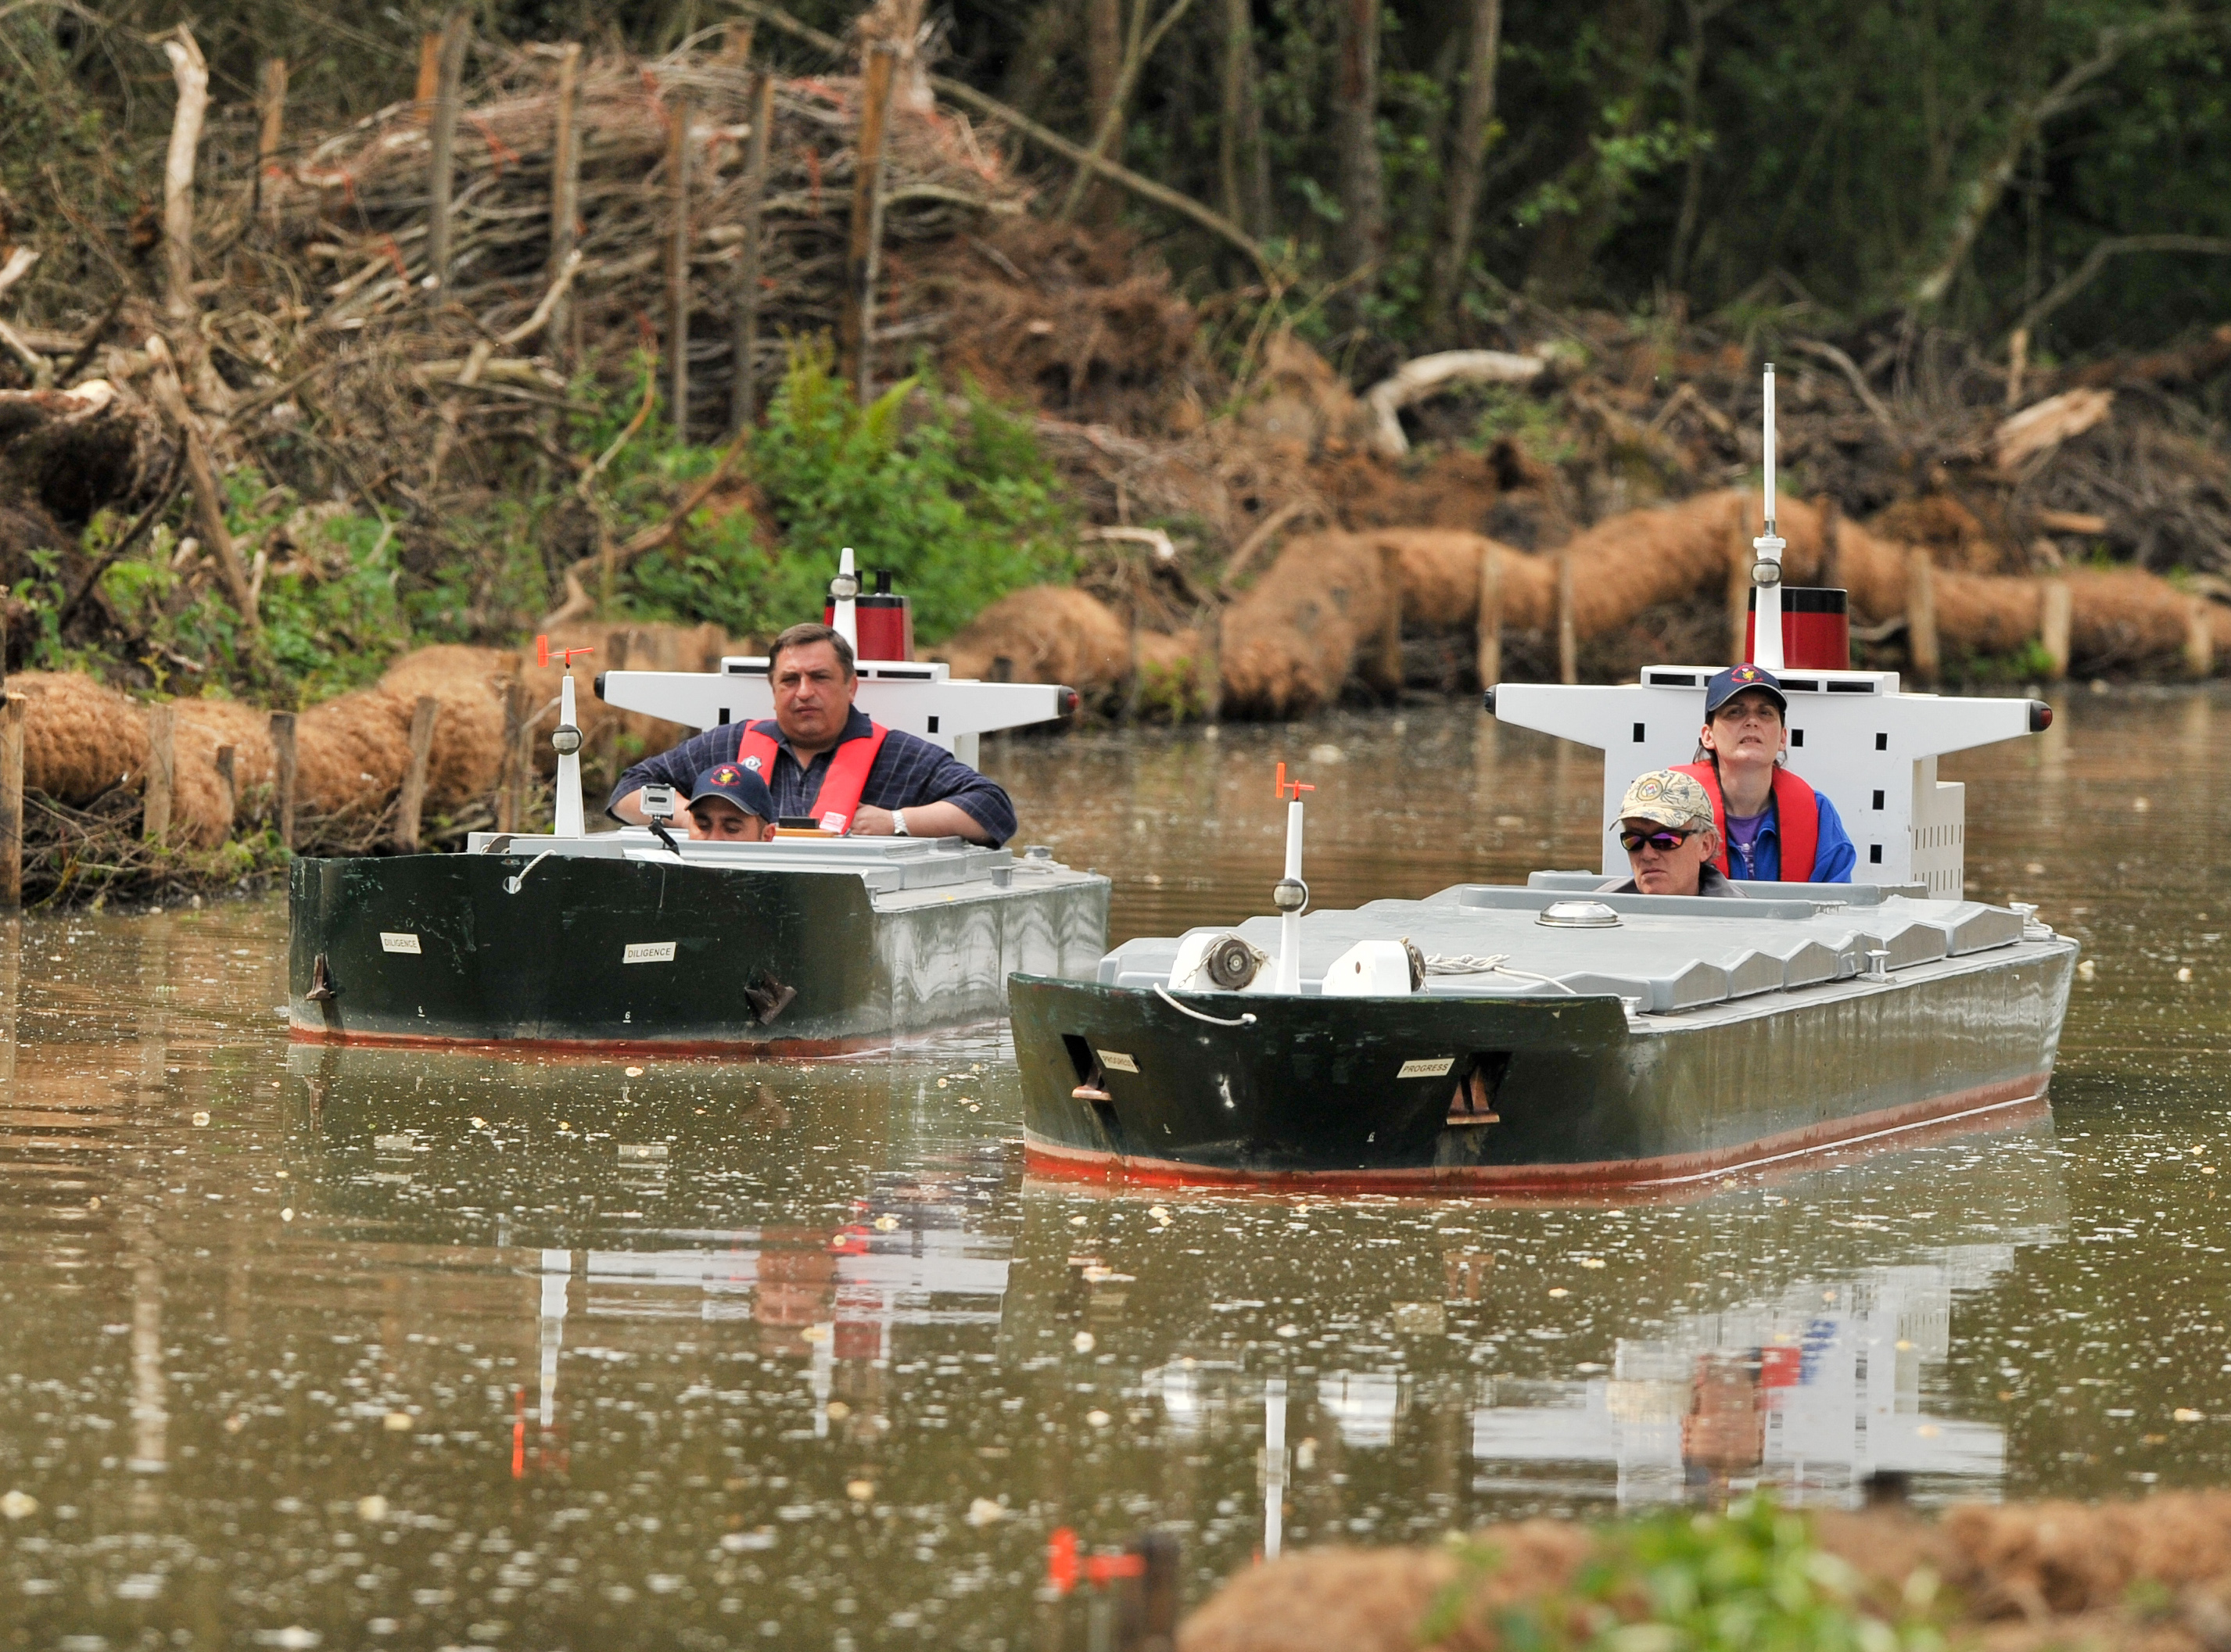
[{"x": 303, "y": 1348}]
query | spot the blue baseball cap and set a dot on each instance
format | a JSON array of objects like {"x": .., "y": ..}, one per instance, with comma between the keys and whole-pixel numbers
[
  {"x": 739, "y": 785},
  {"x": 1734, "y": 680}
]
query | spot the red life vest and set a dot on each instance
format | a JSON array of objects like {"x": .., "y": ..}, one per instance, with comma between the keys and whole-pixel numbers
[
  {"x": 1797, "y": 819},
  {"x": 839, "y": 800}
]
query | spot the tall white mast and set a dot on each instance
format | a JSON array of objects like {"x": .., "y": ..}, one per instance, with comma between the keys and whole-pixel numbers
[
  {"x": 1766, "y": 572},
  {"x": 567, "y": 739},
  {"x": 1290, "y": 894},
  {"x": 842, "y": 590}
]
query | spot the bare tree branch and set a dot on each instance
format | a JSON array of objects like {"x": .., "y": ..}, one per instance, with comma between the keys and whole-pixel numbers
[
  {"x": 2095, "y": 260},
  {"x": 1984, "y": 193}
]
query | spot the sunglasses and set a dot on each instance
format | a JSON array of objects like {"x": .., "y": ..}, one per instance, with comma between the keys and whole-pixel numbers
[{"x": 1664, "y": 842}]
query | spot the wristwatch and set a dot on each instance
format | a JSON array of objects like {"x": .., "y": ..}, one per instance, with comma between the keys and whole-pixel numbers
[{"x": 898, "y": 822}]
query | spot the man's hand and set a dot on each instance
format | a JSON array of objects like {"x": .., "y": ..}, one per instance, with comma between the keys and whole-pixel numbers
[
  {"x": 630, "y": 809},
  {"x": 923, "y": 820}
]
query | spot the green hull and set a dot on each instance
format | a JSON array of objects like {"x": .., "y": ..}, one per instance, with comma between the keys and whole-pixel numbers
[
  {"x": 1583, "y": 1094},
  {"x": 609, "y": 954}
]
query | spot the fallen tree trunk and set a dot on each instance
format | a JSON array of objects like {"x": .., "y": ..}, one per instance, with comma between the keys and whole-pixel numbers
[
  {"x": 1293, "y": 642},
  {"x": 1416, "y": 380}
]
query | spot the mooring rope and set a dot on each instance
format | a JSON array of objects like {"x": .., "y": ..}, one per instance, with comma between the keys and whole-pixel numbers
[
  {"x": 1492, "y": 964},
  {"x": 1213, "y": 1020},
  {"x": 511, "y": 885}
]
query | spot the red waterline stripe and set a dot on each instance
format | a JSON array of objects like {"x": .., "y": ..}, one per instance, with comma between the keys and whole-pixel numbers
[
  {"x": 1666, "y": 1171},
  {"x": 769, "y": 1049}
]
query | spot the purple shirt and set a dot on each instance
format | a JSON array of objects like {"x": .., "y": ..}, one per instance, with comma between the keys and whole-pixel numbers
[{"x": 1743, "y": 839}]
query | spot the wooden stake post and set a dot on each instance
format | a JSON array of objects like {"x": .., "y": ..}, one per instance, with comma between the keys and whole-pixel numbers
[
  {"x": 410, "y": 804},
  {"x": 190, "y": 71},
  {"x": 1209, "y": 671},
  {"x": 272, "y": 99},
  {"x": 1921, "y": 616},
  {"x": 1147, "y": 1602},
  {"x": 522, "y": 762},
  {"x": 514, "y": 712},
  {"x": 606, "y": 756},
  {"x": 228, "y": 784},
  {"x": 856, "y": 321},
  {"x": 1489, "y": 617},
  {"x": 1389, "y": 667},
  {"x": 162, "y": 779},
  {"x": 743, "y": 398},
  {"x": 430, "y": 78},
  {"x": 443, "y": 175},
  {"x": 2056, "y": 610},
  {"x": 283, "y": 750},
  {"x": 678, "y": 270},
  {"x": 12, "y": 797},
  {"x": 2199, "y": 641},
  {"x": 1569, "y": 645},
  {"x": 564, "y": 194}
]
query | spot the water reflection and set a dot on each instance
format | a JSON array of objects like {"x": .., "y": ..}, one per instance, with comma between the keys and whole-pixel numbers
[
  {"x": 1818, "y": 1394},
  {"x": 412, "y": 1351}
]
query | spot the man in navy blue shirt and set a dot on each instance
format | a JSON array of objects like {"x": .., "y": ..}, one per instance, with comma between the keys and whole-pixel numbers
[{"x": 824, "y": 759}]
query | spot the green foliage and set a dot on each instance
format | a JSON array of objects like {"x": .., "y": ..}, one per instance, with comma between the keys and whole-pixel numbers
[
  {"x": 331, "y": 619},
  {"x": 1537, "y": 423},
  {"x": 959, "y": 503},
  {"x": 1171, "y": 692},
  {"x": 1750, "y": 1580},
  {"x": 2028, "y": 664}
]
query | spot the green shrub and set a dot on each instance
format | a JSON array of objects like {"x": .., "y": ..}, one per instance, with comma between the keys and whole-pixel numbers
[
  {"x": 959, "y": 503},
  {"x": 332, "y": 618},
  {"x": 1750, "y": 1580}
]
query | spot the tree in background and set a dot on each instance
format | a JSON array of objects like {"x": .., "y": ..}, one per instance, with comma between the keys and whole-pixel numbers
[{"x": 1960, "y": 160}]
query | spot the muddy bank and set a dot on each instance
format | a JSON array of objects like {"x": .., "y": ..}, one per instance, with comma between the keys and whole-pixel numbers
[{"x": 2155, "y": 1574}]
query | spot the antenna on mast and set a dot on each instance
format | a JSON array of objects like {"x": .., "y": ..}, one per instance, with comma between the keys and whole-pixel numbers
[{"x": 1766, "y": 572}]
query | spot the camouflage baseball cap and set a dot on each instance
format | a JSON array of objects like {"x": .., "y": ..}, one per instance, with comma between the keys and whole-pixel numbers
[{"x": 1667, "y": 798}]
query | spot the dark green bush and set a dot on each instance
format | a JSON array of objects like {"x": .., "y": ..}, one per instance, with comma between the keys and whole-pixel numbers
[{"x": 955, "y": 500}]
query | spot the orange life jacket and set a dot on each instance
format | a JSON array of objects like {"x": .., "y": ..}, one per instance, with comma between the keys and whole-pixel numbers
[
  {"x": 839, "y": 800},
  {"x": 1797, "y": 819}
]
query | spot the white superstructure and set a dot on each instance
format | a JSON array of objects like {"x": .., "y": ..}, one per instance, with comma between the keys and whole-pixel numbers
[
  {"x": 1872, "y": 748},
  {"x": 920, "y": 696}
]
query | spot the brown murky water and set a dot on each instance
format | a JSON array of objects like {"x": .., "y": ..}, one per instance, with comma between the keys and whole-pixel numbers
[{"x": 369, "y": 1349}]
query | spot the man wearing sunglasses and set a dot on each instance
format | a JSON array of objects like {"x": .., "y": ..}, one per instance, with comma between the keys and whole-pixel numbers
[
  {"x": 1771, "y": 825},
  {"x": 1664, "y": 824}
]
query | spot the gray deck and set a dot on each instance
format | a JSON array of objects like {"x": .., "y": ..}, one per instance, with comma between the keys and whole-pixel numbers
[{"x": 1667, "y": 954}]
